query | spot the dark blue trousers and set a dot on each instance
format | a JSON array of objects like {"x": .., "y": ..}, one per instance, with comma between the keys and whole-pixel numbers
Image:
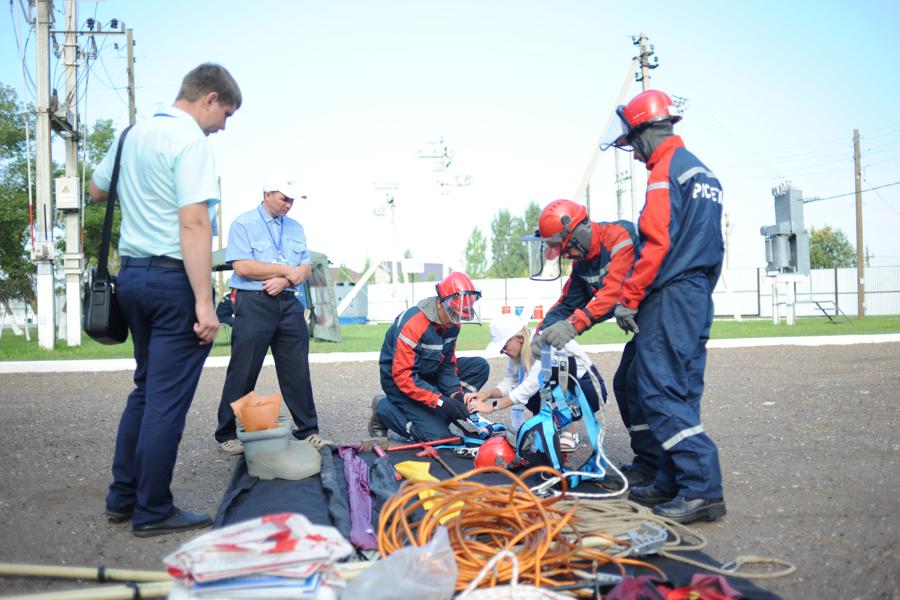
[
  {"x": 645, "y": 447},
  {"x": 158, "y": 304},
  {"x": 260, "y": 322},
  {"x": 412, "y": 419},
  {"x": 671, "y": 358}
]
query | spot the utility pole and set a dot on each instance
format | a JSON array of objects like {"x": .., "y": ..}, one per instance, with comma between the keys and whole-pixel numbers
[
  {"x": 43, "y": 217},
  {"x": 132, "y": 112},
  {"x": 644, "y": 57},
  {"x": 860, "y": 265},
  {"x": 643, "y": 77},
  {"x": 68, "y": 197}
]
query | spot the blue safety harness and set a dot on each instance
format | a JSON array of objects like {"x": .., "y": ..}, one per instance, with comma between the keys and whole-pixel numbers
[{"x": 538, "y": 438}]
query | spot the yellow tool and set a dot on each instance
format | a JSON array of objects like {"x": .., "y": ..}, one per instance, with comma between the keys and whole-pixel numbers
[{"x": 415, "y": 470}]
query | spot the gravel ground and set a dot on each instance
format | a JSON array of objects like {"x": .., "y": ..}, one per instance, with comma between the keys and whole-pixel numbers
[{"x": 807, "y": 436}]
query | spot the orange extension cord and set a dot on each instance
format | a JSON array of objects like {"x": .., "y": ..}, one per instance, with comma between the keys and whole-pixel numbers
[{"x": 491, "y": 519}]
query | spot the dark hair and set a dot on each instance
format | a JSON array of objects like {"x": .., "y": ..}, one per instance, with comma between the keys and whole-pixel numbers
[{"x": 210, "y": 77}]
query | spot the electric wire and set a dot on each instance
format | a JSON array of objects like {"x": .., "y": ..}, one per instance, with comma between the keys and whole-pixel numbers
[
  {"x": 871, "y": 189},
  {"x": 27, "y": 132},
  {"x": 880, "y": 197}
]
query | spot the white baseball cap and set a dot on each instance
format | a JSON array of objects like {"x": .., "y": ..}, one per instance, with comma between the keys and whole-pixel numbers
[
  {"x": 502, "y": 329},
  {"x": 285, "y": 185}
]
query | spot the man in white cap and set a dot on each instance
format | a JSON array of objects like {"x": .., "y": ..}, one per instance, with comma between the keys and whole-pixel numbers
[{"x": 270, "y": 258}]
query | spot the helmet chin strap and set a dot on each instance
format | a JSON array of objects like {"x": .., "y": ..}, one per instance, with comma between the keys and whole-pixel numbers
[{"x": 646, "y": 140}]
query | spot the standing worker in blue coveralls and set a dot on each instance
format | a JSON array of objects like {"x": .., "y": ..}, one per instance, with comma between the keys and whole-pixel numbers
[
  {"x": 423, "y": 380},
  {"x": 270, "y": 258},
  {"x": 167, "y": 190},
  {"x": 668, "y": 299},
  {"x": 602, "y": 255}
]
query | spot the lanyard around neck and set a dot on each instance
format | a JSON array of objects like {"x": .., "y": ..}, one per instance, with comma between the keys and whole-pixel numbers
[{"x": 278, "y": 244}]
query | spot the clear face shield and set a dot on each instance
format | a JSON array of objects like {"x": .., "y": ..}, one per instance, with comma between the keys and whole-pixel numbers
[
  {"x": 543, "y": 257},
  {"x": 616, "y": 135},
  {"x": 460, "y": 306}
]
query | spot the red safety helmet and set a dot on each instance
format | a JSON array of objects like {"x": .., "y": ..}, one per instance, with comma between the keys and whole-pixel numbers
[
  {"x": 495, "y": 452},
  {"x": 458, "y": 295},
  {"x": 647, "y": 107},
  {"x": 558, "y": 220}
]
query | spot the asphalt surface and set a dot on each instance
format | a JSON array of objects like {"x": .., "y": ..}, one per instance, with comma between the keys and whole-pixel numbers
[{"x": 808, "y": 439}]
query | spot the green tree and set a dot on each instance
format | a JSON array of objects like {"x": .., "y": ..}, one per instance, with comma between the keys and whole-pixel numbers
[
  {"x": 476, "y": 255},
  {"x": 96, "y": 143},
  {"x": 829, "y": 248},
  {"x": 532, "y": 214},
  {"x": 16, "y": 270},
  {"x": 508, "y": 253}
]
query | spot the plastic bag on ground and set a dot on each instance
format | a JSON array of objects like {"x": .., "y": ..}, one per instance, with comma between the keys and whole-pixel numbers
[{"x": 425, "y": 573}]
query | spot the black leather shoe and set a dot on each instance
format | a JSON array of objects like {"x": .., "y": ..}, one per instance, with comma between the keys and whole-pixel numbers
[
  {"x": 118, "y": 516},
  {"x": 687, "y": 510},
  {"x": 376, "y": 427},
  {"x": 649, "y": 495},
  {"x": 177, "y": 521}
]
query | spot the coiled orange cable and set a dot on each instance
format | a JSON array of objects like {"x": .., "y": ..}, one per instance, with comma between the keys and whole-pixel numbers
[{"x": 483, "y": 520}]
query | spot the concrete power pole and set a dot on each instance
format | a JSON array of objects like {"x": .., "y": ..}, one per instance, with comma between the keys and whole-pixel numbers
[
  {"x": 860, "y": 264},
  {"x": 43, "y": 217},
  {"x": 132, "y": 112},
  {"x": 68, "y": 196},
  {"x": 643, "y": 77}
]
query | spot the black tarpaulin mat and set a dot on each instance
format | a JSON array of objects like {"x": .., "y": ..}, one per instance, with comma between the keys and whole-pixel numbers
[{"x": 323, "y": 500}]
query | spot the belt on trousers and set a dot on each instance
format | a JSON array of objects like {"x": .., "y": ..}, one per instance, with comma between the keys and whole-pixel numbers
[
  {"x": 283, "y": 295},
  {"x": 160, "y": 262}
]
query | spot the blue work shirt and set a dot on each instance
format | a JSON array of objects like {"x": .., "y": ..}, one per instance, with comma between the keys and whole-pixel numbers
[
  {"x": 167, "y": 163},
  {"x": 254, "y": 235}
]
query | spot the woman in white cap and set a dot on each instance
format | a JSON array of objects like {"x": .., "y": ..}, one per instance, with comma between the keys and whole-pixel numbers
[{"x": 511, "y": 337}]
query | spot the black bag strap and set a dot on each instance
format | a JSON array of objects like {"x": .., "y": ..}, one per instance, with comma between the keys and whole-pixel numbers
[{"x": 103, "y": 257}]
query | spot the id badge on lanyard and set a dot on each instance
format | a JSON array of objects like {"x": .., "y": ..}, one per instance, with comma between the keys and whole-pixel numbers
[{"x": 280, "y": 258}]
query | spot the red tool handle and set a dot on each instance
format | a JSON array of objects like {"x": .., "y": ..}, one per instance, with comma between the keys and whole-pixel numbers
[{"x": 450, "y": 440}]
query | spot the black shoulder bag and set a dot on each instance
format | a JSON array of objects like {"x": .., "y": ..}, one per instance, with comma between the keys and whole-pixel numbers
[{"x": 102, "y": 318}]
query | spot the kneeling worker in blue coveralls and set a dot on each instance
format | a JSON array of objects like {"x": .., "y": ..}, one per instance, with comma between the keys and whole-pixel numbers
[
  {"x": 423, "y": 380},
  {"x": 668, "y": 298}
]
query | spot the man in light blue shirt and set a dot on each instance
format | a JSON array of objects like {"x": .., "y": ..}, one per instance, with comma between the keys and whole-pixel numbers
[
  {"x": 270, "y": 258},
  {"x": 167, "y": 190}
]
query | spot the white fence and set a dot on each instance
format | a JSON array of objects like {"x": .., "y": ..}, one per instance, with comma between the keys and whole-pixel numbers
[{"x": 748, "y": 292}]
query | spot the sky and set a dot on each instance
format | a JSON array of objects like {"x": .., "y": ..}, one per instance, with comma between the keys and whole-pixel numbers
[{"x": 352, "y": 97}]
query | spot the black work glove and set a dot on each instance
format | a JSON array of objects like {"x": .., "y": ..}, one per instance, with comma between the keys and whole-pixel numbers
[
  {"x": 458, "y": 396},
  {"x": 452, "y": 409},
  {"x": 625, "y": 318},
  {"x": 559, "y": 334}
]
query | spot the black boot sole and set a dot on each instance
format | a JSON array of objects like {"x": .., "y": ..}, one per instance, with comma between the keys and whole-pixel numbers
[{"x": 707, "y": 513}]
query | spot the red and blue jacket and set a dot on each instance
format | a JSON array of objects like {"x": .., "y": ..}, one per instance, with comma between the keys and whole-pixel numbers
[
  {"x": 589, "y": 295},
  {"x": 418, "y": 357},
  {"x": 680, "y": 224}
]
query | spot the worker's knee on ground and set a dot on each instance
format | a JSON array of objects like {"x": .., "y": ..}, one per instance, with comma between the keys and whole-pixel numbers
[{"x": 473, "y": 371}]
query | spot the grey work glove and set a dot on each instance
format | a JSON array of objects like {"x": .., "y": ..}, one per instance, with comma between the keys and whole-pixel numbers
[
  {"x": 536, "y": 342},
  {"x": 559, "y": 334},
  {"x": 453, "y": 409},
  {"x": 625, "y": 318}
]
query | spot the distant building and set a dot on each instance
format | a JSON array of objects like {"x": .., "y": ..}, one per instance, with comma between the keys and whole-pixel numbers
[{"x": 419, "y": 271}]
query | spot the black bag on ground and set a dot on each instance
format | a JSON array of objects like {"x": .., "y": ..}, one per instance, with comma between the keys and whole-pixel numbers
[{"x": 102, "y": 318}]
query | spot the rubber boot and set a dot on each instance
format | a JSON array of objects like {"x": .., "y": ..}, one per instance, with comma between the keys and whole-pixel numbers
[{"x": 274, "y": 454}]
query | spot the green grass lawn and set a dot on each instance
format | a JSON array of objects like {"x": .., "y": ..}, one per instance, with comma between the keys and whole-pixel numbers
[{"x": 368, "y": 338}]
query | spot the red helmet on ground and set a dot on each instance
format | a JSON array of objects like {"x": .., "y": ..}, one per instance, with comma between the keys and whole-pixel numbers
[
  {"x": 495, "y": 452},
  {"x": 458, "y": 295},
  {"x": 647, "y": 107}
]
